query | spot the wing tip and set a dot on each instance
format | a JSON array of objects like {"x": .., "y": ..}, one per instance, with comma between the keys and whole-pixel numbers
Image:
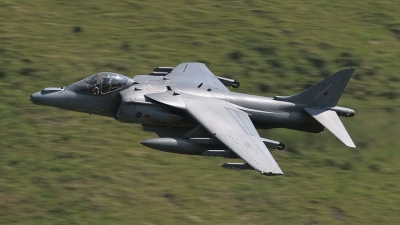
[
  {"x": 271, "y": 174},
  {"x": 276, "y": 172},
  {"x": 351, "y": 145},
  {"x": 349, "y": 142}
]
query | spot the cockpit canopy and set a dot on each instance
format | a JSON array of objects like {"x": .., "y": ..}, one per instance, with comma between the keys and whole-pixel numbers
[{"x": 101, "y": 83}]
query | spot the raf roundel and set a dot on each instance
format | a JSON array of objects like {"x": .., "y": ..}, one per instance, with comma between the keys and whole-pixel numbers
[
  {"x": 138, "y": 114},
  {"x": 247, "y": 144}
]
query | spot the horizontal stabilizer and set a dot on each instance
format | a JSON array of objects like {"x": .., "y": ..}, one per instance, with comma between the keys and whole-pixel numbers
[{"x": 330, "y": 120}]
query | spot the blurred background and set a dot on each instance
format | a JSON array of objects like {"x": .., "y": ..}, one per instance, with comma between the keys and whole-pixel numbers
[{"x": 61, "y": 167}]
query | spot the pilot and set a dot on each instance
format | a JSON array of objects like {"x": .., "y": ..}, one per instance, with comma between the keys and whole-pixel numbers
[
  {"x": 106, "y": 85},
  {"x": 96, "y": 90}
]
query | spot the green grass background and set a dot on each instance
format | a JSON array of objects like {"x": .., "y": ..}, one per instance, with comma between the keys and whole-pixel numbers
[{"x": 61, "y": 167}]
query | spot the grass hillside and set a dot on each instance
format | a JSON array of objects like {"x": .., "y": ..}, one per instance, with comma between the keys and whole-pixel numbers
[{"x": 61, "y": 167}]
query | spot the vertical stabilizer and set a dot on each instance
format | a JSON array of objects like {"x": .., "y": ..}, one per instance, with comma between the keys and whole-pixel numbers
[
  {"x": 325, "y": 93},
  {"x": 330, "y": 120}
]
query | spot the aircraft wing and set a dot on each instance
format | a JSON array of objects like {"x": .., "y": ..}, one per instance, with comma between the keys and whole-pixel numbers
[
  {"x": 195, "y": 73},
  {"x": 234, "y": 129}
]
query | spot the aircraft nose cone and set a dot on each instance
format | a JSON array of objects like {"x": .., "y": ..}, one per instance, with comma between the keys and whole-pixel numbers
[
  {"x": 50, "y": 97},
  {"x": 33, "y": 97}
]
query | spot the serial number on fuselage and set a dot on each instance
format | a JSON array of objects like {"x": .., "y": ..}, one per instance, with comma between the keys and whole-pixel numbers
[{"x": 285, "y": 107}]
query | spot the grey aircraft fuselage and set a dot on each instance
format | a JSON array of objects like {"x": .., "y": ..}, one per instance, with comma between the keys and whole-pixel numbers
[
  {"x": 265, "y": 112},
  {"x": 176, "y": 107}
]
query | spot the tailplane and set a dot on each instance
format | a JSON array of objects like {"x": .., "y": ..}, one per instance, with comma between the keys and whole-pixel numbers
[
  {"x": 325, "y": 93},
  {"x": 330, "y": 120}
]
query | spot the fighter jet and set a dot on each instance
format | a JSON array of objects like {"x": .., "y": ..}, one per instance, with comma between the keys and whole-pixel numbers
[{"x": 193, "y": 112}]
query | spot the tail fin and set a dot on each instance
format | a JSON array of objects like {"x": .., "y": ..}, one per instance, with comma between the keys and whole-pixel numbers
[{"x": 325, "y": 93}]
